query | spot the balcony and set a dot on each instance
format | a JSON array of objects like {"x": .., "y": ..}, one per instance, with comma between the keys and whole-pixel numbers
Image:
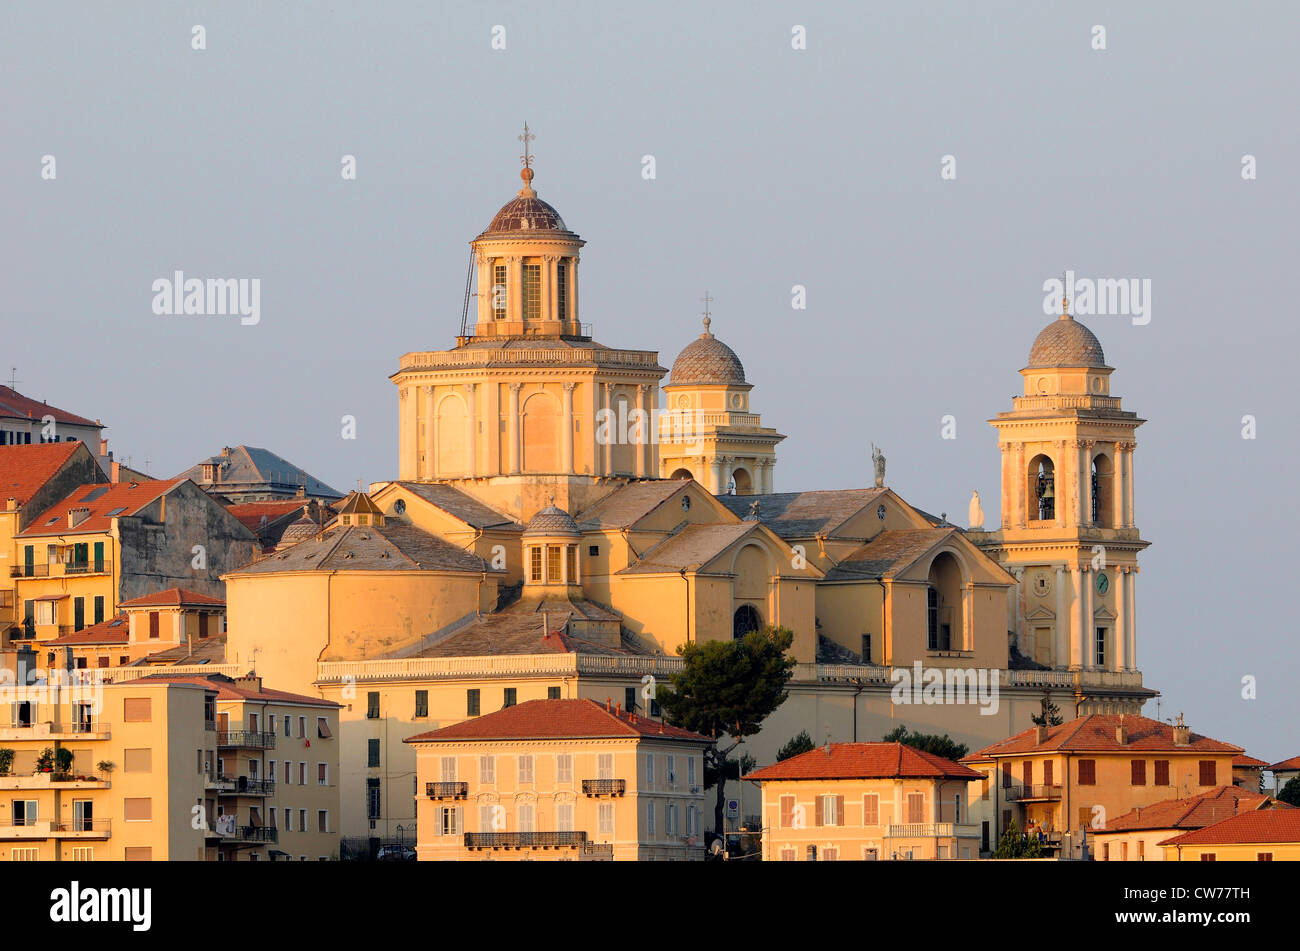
[
  {"x": 1033, "y": 793},
  {"x": 933, "y": 830},
  {"x": 92, "y": 566},
  {"x": 236, "y": 834},
  {"x": 446, "y": 790},
  {"x": 604, "y": 787},
  {"x": 103, "y": 566},
  {"x": 78, "y": 829},
  {"x": 219, "y": 784},
  {"x": 72, "y": 780},
  {"x": 244, "y": 786},
  {"x": 77, "y": 730},
  {"x": 525, "y": 840},
  {"x": 246, "y": 739}
]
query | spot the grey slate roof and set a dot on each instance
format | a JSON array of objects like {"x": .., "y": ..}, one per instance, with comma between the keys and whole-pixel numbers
[
  {"x": 803, "y": 514},
  {"x": 626, "y": 506},
  {"x": 888, "y": 553},
  {"x": 520, "y": 629},
  {"x": 248, "y": 467},
  {"x": 394, "y": 546},
  {"x": 693, "y": 546},
  {"x": 461, "y": 505}
]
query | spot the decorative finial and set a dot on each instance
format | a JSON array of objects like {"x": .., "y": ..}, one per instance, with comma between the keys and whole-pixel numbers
[
  {"x": 527, "y": 159},
  {"x": 1065, "y": 301},
  {"x": 708, "y": 320}
]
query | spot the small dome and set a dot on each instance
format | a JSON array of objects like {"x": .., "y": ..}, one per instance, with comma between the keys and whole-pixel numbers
[
  {"x": 1066, "y": 343},
  {"x": 552, "y": 521},
  {"x": 707, "y": 360},
  {"x": 526, "y": 212},
  {"x": 300, "y": 530}
]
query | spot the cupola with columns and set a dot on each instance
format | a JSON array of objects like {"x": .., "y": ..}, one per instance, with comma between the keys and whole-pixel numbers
[
  {"x": 514, "y": 412},
  {"x": 1068, "y": 533}
]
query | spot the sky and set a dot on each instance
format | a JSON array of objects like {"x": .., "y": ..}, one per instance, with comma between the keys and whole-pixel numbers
[{"x": 773, "y": 167}]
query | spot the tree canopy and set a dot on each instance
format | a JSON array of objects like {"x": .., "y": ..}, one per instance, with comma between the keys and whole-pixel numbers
[{"x": 944, "y": 745}]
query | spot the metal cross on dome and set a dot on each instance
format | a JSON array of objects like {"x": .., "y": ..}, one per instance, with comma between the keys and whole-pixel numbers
[
  {"x": 527, "y": 157},
  {"x": 707, "y": 300}
]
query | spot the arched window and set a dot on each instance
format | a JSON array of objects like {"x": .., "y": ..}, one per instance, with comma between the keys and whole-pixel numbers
[
  {"x": 682, "y": 474},
  {"x": 744, "y": 484},
  {"x": 746, "y": 619},
  {"x": 1041, "y": 489},
  {"x": 1102, "y": 491},
  {"x": 944, "y": 605}
]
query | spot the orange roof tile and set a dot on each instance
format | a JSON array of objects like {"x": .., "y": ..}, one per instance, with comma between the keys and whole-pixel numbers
[
  {"x": 14, "y": 404},
  {"x": 1243, "y": 759},
  {"x": 1265, "y": 826},
  {"x": 174, "y": 597},
  {"x": 1096, "y": 733},
  {"x": 1286, "y": 764},
  {"x": 545, "y": 719},
  {"x": 104, "y": 501},
  {"x": 864, "y": 761},
  {"x": 24, "y": 469},
  {"x": 252, "y": 514},
  {"x": 113, "y": 631},
  {"x": 228, "y": 689},
  {"x": 1191, "y": 812}
]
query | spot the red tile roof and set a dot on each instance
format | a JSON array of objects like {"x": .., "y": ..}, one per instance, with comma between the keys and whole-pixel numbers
[
  {"x": 14, "y": 404},
  {"x": 1286, "y": 764},
  {"x": 546, "y": 719},
  {"x": 1191, "y": 812},
  {"x": 864, "y": 761},
  {"x": 1096, "y": 733},
  {"x": 253, "y": 513},
  {"x": 229, "y": 689},
  {"x": 130, "y": 497},
  {"x": 174, "y": 597},
  {"x": 1267, "y": 826},
  {"x": 1244, "y": 759},
  {"x": 113, "y": 631},
  {"x": 24, "y": 469}
]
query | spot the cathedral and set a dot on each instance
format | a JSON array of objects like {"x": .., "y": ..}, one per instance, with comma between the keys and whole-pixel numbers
[{"x": 558, "y": 529}]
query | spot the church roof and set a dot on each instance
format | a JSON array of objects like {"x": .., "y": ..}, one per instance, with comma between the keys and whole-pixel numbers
[
  {"x": 803, "y": 514},
  {"x": 300, "y": 529},
  {"x": 626, "y": 506},
  {"x": 692, "y": 547},
  {"x": 393, "y": 546},
  {"x": 526, "y": 213},
  {"x": 707, "y": 360},
  {"x": 460, "y": 505},
  {"x": 888, "y": 553},
  {"x": 552, "y": 520},
  {"x": 1066, "y": 343}
]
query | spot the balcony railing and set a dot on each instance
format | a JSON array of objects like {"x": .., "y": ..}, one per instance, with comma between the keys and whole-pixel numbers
[
  {"x": 245, "y": 786},
  {"x": 85, "y": 828},
  {"x": 604, "y": 787},
  {"x": 932, "y": 830},
  {"x": 237, "y": 833},
  {"x": 92, "y": 567},
  {"x": 29, "y": 571},
  {"x": 246, "y": 739},
  {"x": 89, "y": 567},
  {"x": 446, "y": 790},
  {"x": 525, "y": 840},
  {"x": 1027, "y": 793}
]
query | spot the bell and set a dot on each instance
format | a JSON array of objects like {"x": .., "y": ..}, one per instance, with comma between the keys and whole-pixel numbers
[{"x": 1048, "y": 492}]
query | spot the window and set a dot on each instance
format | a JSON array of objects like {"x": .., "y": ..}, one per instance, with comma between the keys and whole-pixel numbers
[
  {"x": 1138, "y": 772},
  {"x": 564, "y": 768},
  {"x": 322, "y": 774},
  {"x": 526, "y": 768},
  {"x": 99, "y": 616},
  {"x": 526, "y": 814},
  {"x": 552, "y": 563},
  {"x": 690, "y": 771},
  {"x": 137, "y": 710},
  {"x": 138, "y": 760},
  {"x": 1047, "y": 772},
  {"x": 788, "y": 855},
  {"x": 137, "y": 810},
  {"x": 650, "y": 820},
  {"x": 322, "y": 820},
  {"x": 486, "y": 821},
  {"x": 302, "y": 774},
  {"x": 302, "y": 820},
  {"x": 288, "y": 767},
  {"x": 830, "y": 810},
  {"x": 629, "y": 699},
  {"x": 372, "y": 705},
  {"x": 532, "y": 292},
  {"x": 552, "y": 693},
  {"x": 605, "y": 819},
  {"x": 302, "y": 728},
  {"x": 593, "y": 550},
  {"x": 1100, "y": 654},
  {"x": 915, "y": 807},
  {"x": 421, "y": 704},
  {"x": 372, "y": 800},
  {"x": 1209, "y": 774},
  {"x": 1264, "y": 857},
  {"x": 1028, "y": 772},
  {"x": 562, "y": 289},
  {"x": 24, "y": 812},
  {"x": 499, "y": 292},
  {"x": 153, "y": 625},
  {"x": 564, "y": 817},
  {"x": 447, "y": 769},
  {"x": 288, "y": 726},
  {"x": 571, "y": 562},
  {"x": 672, "y": 771},
  {"x": 323, "y": 728},
  {"x": 138, "y": 853},
  {"x": 83, "y": 854},
  {"x": 372, "y": 747},
  {"x": 932, "y": 618},
  {"x": 449, "y": 820},
  {"x": 535, "y": 564},
  {"x": 605, "y": 766},
  {"x": 511, "y": 697},
  {"x": 866, "y": 648},
  {"x": 1006, "y": 775},
  {"x": 956, "y": 807},
  {"x": 471, "y": 702},
  {"x": 1087, "y": 772},
  {"x": 649, "y": 771},
  {"x": 1207, "y": 857},
  {"x": 1162, "y": 772},
  {"x": 787, "y": 812},
  {"x": 487, "y": 769}
]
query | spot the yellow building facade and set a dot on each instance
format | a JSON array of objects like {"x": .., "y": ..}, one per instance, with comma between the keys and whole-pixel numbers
[
  {"x": 1272, "y": 835},
  {"x": 560, "y": 780},
  {"x": 865, "y": 801}
]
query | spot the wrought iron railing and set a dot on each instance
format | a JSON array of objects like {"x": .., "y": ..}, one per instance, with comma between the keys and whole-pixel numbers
[
  {"x": 446, "y": 790},
  {"x": 246, "y": 739},
  {"x": 604, "y": 787},
  {"x": 525, "y": 840},
  {"x": 1022, "y": 793}
]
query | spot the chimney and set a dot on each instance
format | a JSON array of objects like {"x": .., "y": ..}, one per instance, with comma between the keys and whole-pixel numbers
[
  {"x": 301, "y": 492},
  {"x": 607, "y": 702},
  {"x": 103, "y": 447},
  {"x": 1121, "y": 732},
  {"x": 77, "y": 515},
  {"x": 116, "y": 474},
  {"x": 250, "y": 680},
  {"x": 1040, "y": 734},
  {"x": 11, "y": 505},
  {"x": 1182, "y": 735}
]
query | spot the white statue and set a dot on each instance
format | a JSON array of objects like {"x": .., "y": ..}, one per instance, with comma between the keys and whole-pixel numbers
[
  {"x": 976, "y": 513},
  {"x": 878, "y": 461}
]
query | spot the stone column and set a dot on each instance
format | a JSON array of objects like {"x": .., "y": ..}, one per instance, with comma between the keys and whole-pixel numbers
[
  {"x": 1087, "y": 581},
  {"x": 1061, "y": 653},
  {"x": 430, "y": 435},
  {"x": 1061, "y": 484},
  {"x": 484, "y": 308},
  {"x": 1124, "y": 483},
  {"x": 514, "y": 288},
  {"x": 768, "y": 466},
  {"x": 548, "y": 308},
  {"x": 515, "y": 446},
  {"x": 716, "y": 485},
  {"x": 611, "y": 430},
  {"x": 1132, "y": 618},
  {"x": 573, "y": 291},
  {"x": 566, "y": 437},
  {"x": 471, "y": 427},
  {"x": 1013, "y": 607},
  {"x": 1076, "y": 619},
  {"x": 1085, "y": 496},
  {"x": 1019, "y": 481},
  {"x": 1121, "y": 620},
  {"x": 643, "y": 441},
  {"x": 1007, "y": 502}
]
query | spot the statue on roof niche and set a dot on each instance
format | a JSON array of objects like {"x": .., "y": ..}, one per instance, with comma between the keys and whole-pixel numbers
[{"x": 878, "y": 460}]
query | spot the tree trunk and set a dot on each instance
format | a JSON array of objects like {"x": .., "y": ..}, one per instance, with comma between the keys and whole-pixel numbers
[{"x": 719, "y": 807}]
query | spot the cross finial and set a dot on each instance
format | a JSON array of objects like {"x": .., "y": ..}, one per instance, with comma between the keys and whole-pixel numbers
[
  {"x": 527, "y": 157},
  {"x": 707, "y": 300},
  {"x": 1065, "y": 301}
]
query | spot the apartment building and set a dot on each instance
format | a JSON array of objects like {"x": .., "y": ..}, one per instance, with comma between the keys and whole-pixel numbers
[
  {"x": 1055, "y": 782},
  {"x": 1269, "y": 836},
  {"x": 1136, "y": 835},
  {"x": 855, "y": 801},
  {"x": 176, "y": 624},
  {"x": 560, "y": 780}
]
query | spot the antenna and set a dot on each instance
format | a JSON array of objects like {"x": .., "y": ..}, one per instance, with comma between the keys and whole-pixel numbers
[{"x": 13, "y": 378}]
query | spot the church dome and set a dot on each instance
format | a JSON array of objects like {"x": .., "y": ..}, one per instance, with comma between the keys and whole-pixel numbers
[
  {"x": 552, "y": 521},
  {"x": 300, "y": 530},
  {"x": 707, "y": 360},
  {"x": 1066, "y": 343},
  {"x": 526, "y": 212}
]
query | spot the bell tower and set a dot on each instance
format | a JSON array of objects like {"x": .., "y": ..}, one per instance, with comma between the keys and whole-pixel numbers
[{"x": 1068, "y": 532}]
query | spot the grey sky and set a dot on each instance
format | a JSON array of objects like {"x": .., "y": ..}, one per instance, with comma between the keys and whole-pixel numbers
[{"x": 775, "y": 167}]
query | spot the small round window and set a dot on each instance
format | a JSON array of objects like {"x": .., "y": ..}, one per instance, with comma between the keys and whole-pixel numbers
[{"x": 400, "y": 506}]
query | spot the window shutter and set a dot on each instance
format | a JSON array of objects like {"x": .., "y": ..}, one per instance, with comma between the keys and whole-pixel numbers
[
  {"x": 818, "y": 801},
  {"x": 137, "y": 710},
  {"x": 839, "y": 810}
]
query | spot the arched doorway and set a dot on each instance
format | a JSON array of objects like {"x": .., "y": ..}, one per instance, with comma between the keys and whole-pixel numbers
[
  {"x": 944, "y": 613},
  {"x": 1041, "y": 489},
  {"x": 744, "y": 484}
]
